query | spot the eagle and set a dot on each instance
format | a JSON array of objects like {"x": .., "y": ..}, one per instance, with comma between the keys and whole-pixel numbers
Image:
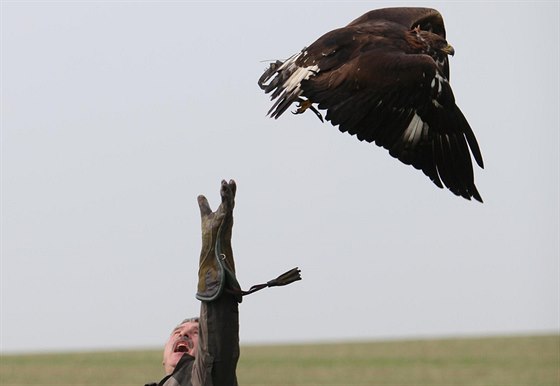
[{"x": 385, "y": 79}]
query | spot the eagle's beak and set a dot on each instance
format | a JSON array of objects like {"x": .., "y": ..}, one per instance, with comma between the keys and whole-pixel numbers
[{"x": 449, "y": 50}]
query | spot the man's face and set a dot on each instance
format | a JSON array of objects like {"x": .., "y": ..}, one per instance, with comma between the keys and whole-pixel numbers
[{"x": 183, "y": 340}]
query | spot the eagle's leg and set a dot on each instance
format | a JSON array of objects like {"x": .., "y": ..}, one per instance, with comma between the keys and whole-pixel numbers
[{"x": 303, "y": 105}]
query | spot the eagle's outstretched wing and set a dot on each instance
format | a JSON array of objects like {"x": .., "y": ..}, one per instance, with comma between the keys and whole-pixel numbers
[{"x": 385, "y": 78}]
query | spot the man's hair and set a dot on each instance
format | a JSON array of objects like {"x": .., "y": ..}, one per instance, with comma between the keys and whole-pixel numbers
[{"x": 194, "y": 319}]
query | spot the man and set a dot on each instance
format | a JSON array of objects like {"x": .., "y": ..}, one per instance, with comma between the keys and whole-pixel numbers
[
  {"x": 204, "y": 350},
  {"x": 183, "y": 340}
]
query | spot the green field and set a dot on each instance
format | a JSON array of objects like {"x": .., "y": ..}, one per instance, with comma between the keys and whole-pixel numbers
[{"x": 503, "y": 361}]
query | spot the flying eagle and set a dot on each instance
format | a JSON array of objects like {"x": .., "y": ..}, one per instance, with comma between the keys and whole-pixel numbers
[{"x": 385, "y": 78}]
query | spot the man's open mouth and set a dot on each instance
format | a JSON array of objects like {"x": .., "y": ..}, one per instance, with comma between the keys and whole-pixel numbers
[{"x": 182, "y": 345}]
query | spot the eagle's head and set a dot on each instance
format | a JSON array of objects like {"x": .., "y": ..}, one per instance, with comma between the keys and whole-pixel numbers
[{"x": 429, "y": 43}]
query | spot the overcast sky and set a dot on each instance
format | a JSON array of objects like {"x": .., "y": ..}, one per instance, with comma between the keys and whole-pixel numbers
[{"x": 116, "y": 115}]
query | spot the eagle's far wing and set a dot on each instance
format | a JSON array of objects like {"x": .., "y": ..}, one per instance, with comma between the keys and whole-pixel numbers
[{"x": 428, "y": 19}]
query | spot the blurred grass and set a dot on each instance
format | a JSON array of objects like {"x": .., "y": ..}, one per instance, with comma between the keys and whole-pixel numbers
[{"x": 501, "y": 361}]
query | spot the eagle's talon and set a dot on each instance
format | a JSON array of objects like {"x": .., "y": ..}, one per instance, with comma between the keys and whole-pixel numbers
[{"x": 303, "y": 105}]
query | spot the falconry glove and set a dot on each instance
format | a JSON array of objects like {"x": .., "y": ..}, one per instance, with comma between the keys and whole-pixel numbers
[
  {"x": 216, "y": 255},
  {"x": 216, "y": 272}
]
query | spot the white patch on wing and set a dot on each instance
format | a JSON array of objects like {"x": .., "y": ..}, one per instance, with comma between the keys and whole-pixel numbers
[
  {"x": 415, "y": 130},
  {"x": 439, "y": 80},
  {"x": 437, "y": 86}
]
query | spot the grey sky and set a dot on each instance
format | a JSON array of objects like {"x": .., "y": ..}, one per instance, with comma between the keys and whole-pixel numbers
[{"x": 116, "y": 115}]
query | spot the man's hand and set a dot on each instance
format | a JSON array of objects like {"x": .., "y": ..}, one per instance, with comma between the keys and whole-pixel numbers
[{"x": 216, "y": 230}]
